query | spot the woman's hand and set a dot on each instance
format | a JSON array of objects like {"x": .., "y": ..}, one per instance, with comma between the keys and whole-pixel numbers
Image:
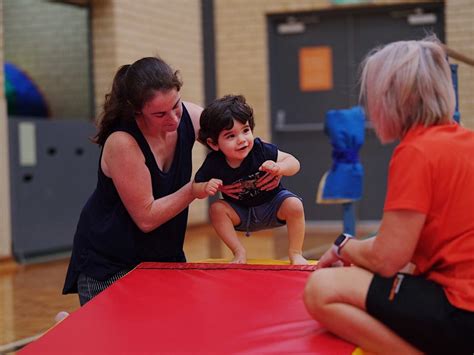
[
  {"x": 232, "y": 190},
  {"x": 272, "y": 178},
  {"x": 330, "y": 259},
  {"x": 327, "y": 259}
]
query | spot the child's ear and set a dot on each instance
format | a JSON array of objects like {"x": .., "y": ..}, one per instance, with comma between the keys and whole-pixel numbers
[{"x": 211, "y": 144}]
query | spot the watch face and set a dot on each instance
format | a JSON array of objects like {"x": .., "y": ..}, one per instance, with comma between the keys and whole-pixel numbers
[{"x": 340, "y": 239}]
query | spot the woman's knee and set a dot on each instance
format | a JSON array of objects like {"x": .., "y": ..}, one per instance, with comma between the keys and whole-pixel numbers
[
  {"x": 317, "y": 292},
  {"x": 347, "y": 285},
  {"x": 291, "y": 207}
]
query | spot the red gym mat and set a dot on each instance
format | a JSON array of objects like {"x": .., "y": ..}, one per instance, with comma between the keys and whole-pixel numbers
[{"x": 161, "y": 308}]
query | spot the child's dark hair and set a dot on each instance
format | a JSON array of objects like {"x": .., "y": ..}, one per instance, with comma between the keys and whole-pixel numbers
[
  {"x": 133, "y": 85},
  {"x": 220, "y": 115}
]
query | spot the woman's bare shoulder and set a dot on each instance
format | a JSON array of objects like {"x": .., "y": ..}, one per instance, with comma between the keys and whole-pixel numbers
[
  {"x": 195, "y": 113},
  {"x": 120, "y": 140},
  {"x": 120, "y": 150},
  {"x": 193, "y": 109}
]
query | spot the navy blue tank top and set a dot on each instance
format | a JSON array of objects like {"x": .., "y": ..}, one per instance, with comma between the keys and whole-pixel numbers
[{"x": 107, "y": 240}]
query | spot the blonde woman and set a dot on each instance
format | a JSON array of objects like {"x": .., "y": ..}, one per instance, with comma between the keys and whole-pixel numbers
[{"x": 428, "y": 219}]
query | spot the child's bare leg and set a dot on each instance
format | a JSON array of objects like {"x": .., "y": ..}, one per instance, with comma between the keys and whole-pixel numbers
[
  {"x": 292, "y": 211},
  {"x": 224, "y": 218}
]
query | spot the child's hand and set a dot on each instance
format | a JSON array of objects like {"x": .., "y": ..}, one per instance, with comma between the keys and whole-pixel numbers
[
  {"x": 272, "y": 178},
  {"x": 204, "y": 189},
  {"x": 212, "y": 186},
  {"x": 270, "y": 167}
]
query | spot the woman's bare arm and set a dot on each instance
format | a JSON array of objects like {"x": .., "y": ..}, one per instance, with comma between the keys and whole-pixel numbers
[
  {"x": 393, "y": 247},
  {"x": 123, "y": 161}
]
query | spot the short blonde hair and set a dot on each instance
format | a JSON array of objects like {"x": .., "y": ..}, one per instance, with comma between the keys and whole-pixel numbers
[{"x": 405, "y": 84}]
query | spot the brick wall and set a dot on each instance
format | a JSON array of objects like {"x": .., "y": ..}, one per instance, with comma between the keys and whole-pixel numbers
[
  {"x": 460, "y": 37},
  {"x": 49, "y": 41},
  {"x": 125, "y": 31}
]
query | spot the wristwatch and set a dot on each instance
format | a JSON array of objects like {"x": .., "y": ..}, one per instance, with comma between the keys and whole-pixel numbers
[{"x": 340, "y": 241}]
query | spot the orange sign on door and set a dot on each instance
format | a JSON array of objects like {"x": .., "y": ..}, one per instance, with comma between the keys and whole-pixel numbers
[{"x": 316, "y": 68}]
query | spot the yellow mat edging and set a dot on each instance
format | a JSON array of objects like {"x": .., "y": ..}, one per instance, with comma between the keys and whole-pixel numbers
[{"x": 253, "y": 261}]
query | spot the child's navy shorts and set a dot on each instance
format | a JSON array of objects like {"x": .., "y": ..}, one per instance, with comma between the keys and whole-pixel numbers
[{"x": 263, "y": 216}]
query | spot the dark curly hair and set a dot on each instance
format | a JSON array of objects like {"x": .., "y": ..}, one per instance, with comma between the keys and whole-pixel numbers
[
  {"x": 220, "y": 115},
  {"x": 133, "y": 85}
]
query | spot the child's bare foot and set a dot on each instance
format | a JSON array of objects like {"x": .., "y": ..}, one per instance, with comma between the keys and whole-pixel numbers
[
  {"x": 239, "y": 258},
  {"x": 298, "y": 259}
]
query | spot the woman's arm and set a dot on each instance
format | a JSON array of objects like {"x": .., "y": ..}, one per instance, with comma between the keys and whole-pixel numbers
[
  {"x": 195, "y": 113},
  {"x": 388, "y": 252},
  {"x": 123, "y": 161},
  {"x": 393, "y": 247}
]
